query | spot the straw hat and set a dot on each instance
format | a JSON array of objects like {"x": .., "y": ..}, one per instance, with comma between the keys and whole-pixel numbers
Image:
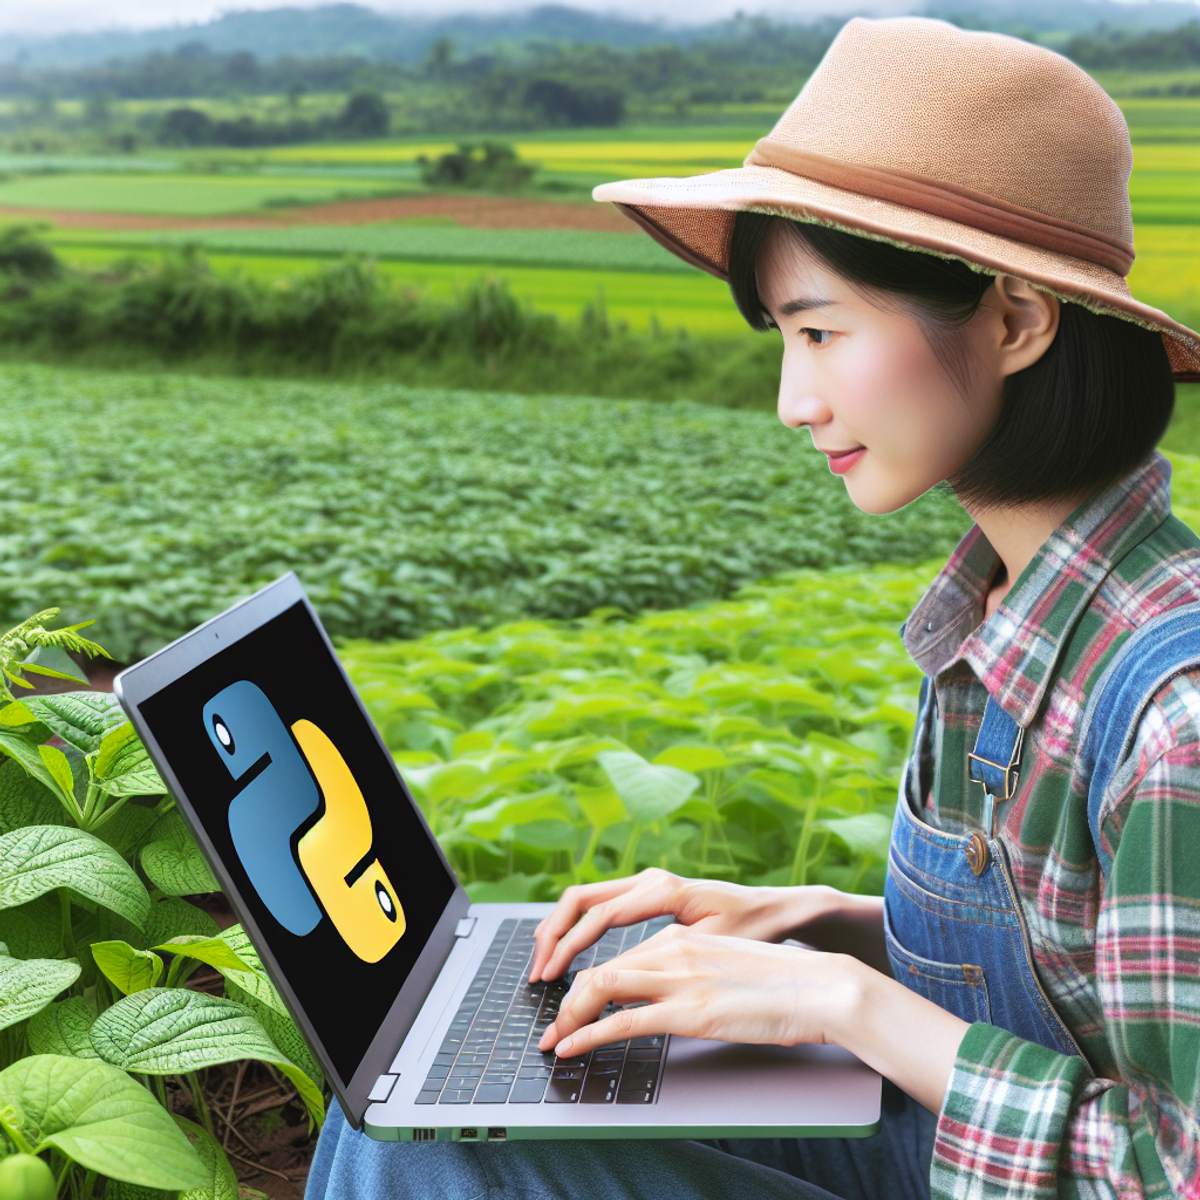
[{"x": 975, "y": 146}]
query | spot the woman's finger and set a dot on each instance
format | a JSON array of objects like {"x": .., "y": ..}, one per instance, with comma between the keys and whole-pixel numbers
[
  {"x": 549, "y": 962},
  {"x": 649, "y": 1020},
  {"x": 571, "y": 905},
  {"x": 640, "y": 904},
  {"x": 593, "y": 991}
]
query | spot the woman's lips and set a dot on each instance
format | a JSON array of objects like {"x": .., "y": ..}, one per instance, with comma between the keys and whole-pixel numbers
[{"x": 839, "y": 464}]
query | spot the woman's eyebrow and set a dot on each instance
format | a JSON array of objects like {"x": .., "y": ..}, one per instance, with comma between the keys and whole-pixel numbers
[{"x": 803, "y": 304}]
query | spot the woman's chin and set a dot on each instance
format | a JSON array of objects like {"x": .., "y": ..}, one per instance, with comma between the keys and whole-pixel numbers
[{"x": 876, "y": 499}]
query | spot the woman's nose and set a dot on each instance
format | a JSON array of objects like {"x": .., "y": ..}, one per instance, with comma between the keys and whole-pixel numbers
[
  {"x": 801, "y": 406},
  {"x": 799, "y": 400}
]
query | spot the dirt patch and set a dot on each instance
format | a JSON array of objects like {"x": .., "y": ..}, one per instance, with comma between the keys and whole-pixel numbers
[{"x": 476, "y": 212}]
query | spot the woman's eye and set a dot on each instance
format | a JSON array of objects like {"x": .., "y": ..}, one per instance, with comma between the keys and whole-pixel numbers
[{"x": 817, "y": 337}]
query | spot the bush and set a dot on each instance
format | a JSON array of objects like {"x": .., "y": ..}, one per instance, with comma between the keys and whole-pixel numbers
[
  {"x": 490, "y": 166},
  {"x": 344, "y": 319}
]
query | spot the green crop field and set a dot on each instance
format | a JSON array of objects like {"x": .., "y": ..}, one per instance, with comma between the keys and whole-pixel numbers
[
  {"x": 151, "y": 502},
  {"x": 179, "y": 195}
]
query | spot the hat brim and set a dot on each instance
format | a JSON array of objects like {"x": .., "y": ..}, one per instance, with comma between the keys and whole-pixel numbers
[{"x": 693, "y": 217}]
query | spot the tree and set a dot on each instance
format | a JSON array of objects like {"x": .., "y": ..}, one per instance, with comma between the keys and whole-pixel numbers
[
  {"x": 185, "y": 127},
  {"x": 365, "y": 115}
]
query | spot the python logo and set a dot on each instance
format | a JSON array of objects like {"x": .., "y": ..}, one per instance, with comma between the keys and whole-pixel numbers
[{"x": 285, "y": 776}]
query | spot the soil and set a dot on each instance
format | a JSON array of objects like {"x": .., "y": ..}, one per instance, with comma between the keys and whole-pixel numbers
[{"x": 477, "y": 212}]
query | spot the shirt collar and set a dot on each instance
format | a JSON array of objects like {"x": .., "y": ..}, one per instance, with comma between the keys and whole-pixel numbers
[{"x": 1016, "y": 650}]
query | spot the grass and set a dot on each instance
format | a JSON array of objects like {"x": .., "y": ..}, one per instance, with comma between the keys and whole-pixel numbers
[
  {"x": 180, "y": 195},
  {"x": 422, "y": 242}
]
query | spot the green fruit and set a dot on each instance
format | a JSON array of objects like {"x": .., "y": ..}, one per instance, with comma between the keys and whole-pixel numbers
[{"x": 26, "y": 1177}]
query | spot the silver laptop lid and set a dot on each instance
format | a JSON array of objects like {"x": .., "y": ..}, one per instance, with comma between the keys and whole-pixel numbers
[{"x": 305, "y": 821}]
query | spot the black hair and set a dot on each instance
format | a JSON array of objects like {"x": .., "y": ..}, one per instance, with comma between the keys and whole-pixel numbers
[{"x": 1089, "y": 411}]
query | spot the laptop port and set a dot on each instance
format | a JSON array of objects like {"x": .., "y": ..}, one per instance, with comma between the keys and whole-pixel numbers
[
  {"x": 424, "y": 1135},
  {"x": 468, "y": 1135},
  {"x": 497, "y": 1135}
]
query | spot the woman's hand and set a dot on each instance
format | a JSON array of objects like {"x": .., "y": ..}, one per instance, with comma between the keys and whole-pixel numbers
[
  {"x": 584, "y": 913},
  {"x": 732, "y": 989},
  {"x": 704, "y": 985}
]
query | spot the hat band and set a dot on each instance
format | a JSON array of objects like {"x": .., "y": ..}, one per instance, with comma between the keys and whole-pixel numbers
[{"x": 939, "y": 198}]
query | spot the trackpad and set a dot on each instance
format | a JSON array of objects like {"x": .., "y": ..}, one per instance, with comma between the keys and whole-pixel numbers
[{"x": 809, "y": 1086}]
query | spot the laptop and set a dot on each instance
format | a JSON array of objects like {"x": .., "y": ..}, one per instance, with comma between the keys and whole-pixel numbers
[{"x": 415, "y": 1001}]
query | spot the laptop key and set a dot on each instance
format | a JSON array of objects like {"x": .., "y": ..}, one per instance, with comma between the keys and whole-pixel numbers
[
  {"x": 599, "y": 1089},
  {"x": 534, "y": 1073},
  {"x": 491, "y": 1093},
  {"x": 427, "y": 1097},
  {"x": 562, "y": 1091},
  {"x": 457, "y": 1097},
  {"x": 656, "y": 1041},
  {"x": 438, "y": 1073},
  {"x": 527, "y": 1091}
]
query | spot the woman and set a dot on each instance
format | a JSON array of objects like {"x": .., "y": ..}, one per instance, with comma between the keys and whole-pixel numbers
[{"x": 939, "y": 227}]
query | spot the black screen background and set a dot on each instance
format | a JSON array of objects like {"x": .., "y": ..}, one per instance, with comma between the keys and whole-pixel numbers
[{"x": 344, "y": 998}]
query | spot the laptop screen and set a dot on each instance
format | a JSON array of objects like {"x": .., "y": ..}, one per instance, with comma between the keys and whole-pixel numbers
[{"x": 305, "y": 811}]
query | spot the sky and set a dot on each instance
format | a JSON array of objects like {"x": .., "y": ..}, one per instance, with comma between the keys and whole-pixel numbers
[{"x": 64, "y": 16}]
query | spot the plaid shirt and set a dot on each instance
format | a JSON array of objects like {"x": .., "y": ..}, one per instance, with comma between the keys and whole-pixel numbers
[{"x": 1119, "y": 958}]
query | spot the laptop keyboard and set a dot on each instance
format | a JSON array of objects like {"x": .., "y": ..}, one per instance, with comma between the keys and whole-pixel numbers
[{"x": 490, "y": 1053}]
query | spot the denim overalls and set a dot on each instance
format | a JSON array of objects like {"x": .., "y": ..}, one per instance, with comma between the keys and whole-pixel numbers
[{"x": 954, "y": 927}]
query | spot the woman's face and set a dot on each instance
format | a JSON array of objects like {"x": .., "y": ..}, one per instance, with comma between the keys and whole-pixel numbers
[{"x": 875, "y": 398}]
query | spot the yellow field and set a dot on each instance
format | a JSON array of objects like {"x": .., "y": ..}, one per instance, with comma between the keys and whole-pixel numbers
[{"x": 615, "y": 158}]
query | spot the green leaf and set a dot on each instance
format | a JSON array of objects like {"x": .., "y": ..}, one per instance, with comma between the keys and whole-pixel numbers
[
  {"x": 81, "y": 719},
  {"x": 172, "y": 860},
  {"x": 27, "y": 985},
  {"x": 221, "y": 1183},
  {"x": 127, "y": 969},
  {"x": 648, "y": 792},
  {"x": 100, "y": 1118},
  {"x": 865, "y": 833},
  {"x": 63, "y": 1028},
  {"x": 36, "y": 860},
  {"x": 254, "y": 980},
  {"x": 601, "y": 805},
  {"x": 120, "y": 765},
  {"x": 694, "y": 758},
  {"x": 55, "y": 662},
  {"x": 32, "y": 930},
  {"x": 56, "y": 763},
  {"x": 172, "y": 917},
  {"x": 21, "y": 737},
  {"x": 252, "y": 988},
  {"x": 168, "y": 1031},
  {"x": 211, "y": 950},
  {"x": 487, "y": 822},
  {"x": 25, "y": 800},
  {"x": 126, "y": 828}
]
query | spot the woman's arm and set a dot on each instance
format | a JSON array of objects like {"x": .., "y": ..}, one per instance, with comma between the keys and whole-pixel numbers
[
  {"x": 821, "y": 916},
  {"x": 732, "y": 989}
]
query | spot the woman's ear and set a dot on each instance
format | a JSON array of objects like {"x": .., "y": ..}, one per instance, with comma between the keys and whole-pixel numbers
[{"x": 1025, "y": 323}]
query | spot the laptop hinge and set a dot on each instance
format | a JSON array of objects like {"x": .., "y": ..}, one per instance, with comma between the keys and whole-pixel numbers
[{"x": 465, "y": 927}]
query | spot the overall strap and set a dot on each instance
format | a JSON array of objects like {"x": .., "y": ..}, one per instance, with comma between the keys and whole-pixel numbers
[
  {"x": 996, "y": 760},
  {"x": 1165, "y": 646}
]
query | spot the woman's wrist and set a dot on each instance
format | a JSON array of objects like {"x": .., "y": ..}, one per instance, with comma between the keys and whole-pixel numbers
[
  {"x": 875, "y": 1017},
  {"x": 837, "y": 922}
]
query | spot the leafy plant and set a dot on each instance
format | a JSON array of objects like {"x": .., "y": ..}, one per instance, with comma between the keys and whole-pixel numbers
[
  {"x": 757, "y": 740},
  {"x": 96, "y": 948}
]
